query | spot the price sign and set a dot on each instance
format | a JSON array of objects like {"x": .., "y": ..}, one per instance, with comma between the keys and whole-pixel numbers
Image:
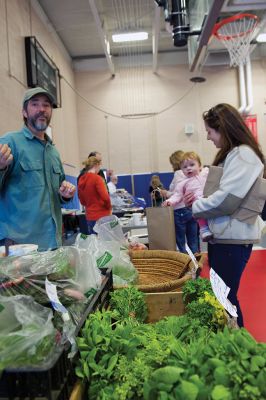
[{"x": 221, "y": 291}]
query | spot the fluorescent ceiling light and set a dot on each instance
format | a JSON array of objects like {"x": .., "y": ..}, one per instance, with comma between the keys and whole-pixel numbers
[
  {"x": 261, "y": 38},
  {"x": 129, "y": 37}
]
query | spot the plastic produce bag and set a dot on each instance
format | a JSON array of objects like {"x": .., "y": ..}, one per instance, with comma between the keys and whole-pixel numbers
[
  {"x": 110, "y": 254},
  {"x": 68, "y": 268},
  {"x": 105, "y": 253},
  {"x": 109, "y": 229},
  {"x": 28, "y": 337}
]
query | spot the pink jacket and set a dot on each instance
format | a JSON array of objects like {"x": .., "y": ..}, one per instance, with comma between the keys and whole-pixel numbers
[{"x": 195, "y": 185}]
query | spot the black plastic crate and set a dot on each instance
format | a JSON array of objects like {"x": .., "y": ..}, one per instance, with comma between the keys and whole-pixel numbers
[
  {"x": 55, "y": 379},
  {"x": 52, "y": 380}
]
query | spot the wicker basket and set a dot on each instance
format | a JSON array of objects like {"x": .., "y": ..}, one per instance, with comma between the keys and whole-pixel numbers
[{"x": 162, "y": 270}]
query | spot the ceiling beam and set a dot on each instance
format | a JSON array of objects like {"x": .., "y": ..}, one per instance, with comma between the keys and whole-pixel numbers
[
  {"x": 155, "y": 37},
  {"x": 35, "y": 5},
  {"x": 102, "y": 36},
  {"x": 206, "y": 33}
]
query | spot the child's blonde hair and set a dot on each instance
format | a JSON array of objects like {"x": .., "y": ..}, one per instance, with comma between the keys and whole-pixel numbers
[
  {"x": 91, "y": 162},
  {"x": 190, "y": 155},
  {"x": 155, "y": 181}
]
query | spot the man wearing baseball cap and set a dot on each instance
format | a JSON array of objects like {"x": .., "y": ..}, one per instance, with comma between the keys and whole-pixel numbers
[{"x": 32, "y": 179}]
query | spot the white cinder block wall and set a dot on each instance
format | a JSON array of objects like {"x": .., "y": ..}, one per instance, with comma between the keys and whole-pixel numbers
[
  {"x": 144, "y": 145},
  {"x": 127, "y": 145}
]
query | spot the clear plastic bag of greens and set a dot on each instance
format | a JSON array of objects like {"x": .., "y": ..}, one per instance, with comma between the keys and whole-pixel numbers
[
  {"x": 68, "y": 268},
  {"x": 110, "y": 254},
  {"x": 30, "y": 338},
  {"x": 109, "y": 229}
]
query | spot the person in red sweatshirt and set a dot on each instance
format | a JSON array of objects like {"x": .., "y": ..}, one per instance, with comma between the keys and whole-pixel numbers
[{"x": 93, "y": 194}]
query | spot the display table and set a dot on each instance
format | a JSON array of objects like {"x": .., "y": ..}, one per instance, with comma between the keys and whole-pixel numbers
[
  {"x": 121, "y": 212},
  {"x": 135, "y": 231}
]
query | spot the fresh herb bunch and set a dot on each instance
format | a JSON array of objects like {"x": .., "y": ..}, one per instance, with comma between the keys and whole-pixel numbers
[
  {"x": 129, "y": 303},
  {"x": 193, "y": 289},
  {"x": 208, "y": 311}
]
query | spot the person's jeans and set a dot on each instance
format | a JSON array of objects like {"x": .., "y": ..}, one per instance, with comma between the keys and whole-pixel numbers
[
  {"x": 229, "y": 261},
  {"x": 186, "y": 229},
  {"x": 90, "y": 227}
]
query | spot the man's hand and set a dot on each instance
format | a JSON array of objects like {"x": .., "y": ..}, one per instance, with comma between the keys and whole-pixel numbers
[
  {"x": 67, "y": 190},
  {"x": 6, "y": 157}
]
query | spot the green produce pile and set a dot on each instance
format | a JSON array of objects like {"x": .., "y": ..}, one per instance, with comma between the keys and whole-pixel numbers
[
  {"x": 129, "y": 303},
  {"x": 176, "y": 358},
  {"x": 19, "y": 350},
  {"x": 195, "y": 288}
]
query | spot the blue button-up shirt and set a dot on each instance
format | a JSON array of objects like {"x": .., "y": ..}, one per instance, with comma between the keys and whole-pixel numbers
[{"x": 30, "y": 205}]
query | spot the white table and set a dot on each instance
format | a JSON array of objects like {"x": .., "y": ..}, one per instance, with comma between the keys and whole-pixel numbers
[{"x": 138, "y": 232}]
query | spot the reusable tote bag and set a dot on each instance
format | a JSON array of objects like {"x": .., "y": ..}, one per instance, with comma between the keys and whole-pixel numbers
[
  {"x": 161, "y": 228},
  {"x": 251, "y": 205}
]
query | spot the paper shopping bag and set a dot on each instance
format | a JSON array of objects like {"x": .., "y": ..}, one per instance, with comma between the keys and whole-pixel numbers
[{"x": 161, "y": 228}]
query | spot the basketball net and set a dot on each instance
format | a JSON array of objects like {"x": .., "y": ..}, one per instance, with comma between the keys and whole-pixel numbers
[{"x": 236, "y": 33}]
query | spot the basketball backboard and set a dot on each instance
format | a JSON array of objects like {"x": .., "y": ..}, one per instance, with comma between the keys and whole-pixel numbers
[{"x": 204, "y": 49}]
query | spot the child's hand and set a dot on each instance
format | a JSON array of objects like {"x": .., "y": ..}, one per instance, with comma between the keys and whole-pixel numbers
[{"x": 166, "y": 203}]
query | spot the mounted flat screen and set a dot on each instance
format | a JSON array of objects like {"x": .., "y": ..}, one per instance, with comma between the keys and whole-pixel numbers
[{"x": 41, "y": 70}]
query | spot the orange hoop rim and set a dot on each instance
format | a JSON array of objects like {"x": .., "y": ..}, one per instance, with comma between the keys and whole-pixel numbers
[{"x": 232, "y": 19}]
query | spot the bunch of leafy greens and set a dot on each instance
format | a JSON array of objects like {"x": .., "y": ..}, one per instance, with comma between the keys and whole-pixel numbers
[
  {"x": 193, "y": 289},
  {"x": 145, "y": 361},
  {"x": 129, "y": 303},
  {"x": 208, "y": 311},
  {"x": 230, "y": 366}
]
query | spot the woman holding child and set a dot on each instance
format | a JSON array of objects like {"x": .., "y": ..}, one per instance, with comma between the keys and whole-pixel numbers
[{"x": 233, "y": 230}]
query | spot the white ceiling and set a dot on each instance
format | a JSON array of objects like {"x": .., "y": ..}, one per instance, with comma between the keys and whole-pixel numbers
[{"x": 75, "y": 24}]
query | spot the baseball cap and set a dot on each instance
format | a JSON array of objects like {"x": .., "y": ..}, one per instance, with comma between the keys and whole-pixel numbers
[{"x": 38, "y": 90}]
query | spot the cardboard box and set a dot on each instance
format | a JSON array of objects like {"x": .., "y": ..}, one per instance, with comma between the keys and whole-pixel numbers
[{"x": 164, "y": 304}]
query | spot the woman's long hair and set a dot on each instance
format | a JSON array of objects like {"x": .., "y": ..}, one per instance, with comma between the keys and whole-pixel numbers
[{"x": 226, "y": 120}]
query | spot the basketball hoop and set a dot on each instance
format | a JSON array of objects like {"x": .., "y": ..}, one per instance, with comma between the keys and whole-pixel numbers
[{"x": 236, "y": 33}]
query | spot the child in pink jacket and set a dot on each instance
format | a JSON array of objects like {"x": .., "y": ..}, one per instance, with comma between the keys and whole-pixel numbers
[{"x": 194, "y": 181}]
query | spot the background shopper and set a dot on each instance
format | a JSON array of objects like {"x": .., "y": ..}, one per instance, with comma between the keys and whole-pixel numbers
[
  {"x": 112, "y": 184},
  {"x": 93, "y": 193},
  {"x": 155, "y": 189}
]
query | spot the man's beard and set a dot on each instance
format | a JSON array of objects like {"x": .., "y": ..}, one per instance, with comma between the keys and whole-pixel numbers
[{"x": 39, "y": 126}]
